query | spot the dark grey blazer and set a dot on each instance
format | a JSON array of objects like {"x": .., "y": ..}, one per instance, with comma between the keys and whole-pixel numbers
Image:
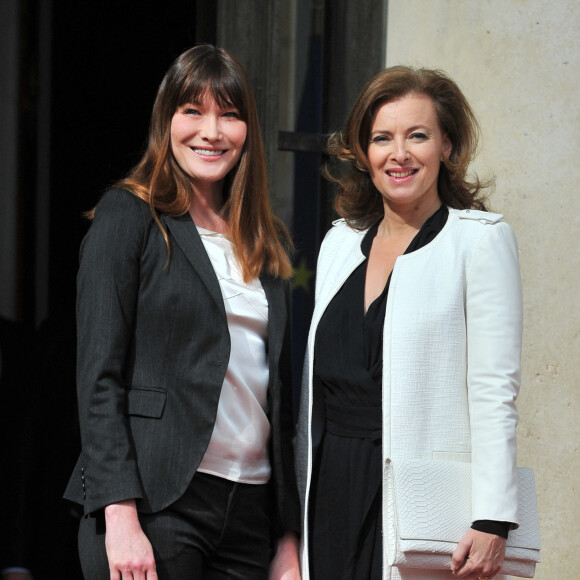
[{"x": 153, "y": 349}]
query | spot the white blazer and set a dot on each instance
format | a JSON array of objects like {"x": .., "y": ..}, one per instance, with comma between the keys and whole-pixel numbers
[{"x": 451, "y": 358}]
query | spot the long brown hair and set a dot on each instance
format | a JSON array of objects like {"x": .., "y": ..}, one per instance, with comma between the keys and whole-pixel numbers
[
  {"x": 260, "y": 240},
  {"x": 358, "y": 201}
]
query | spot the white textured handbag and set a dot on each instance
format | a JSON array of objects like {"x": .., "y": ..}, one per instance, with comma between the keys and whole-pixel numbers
[{"x": 425, "y": 521}]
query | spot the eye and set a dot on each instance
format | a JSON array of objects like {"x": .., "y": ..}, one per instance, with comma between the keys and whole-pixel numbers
[
  {"x": 380, "y": 139},
  {"x": 191, "y": 111},
  {"x": 418, "y": 136},
  {"x": 232, "y": 114}
]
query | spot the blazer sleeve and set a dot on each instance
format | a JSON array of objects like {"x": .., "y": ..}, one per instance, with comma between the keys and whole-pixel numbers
[
  {"x": 494, "y": 340},
  {"x": 107, "y": 295}
]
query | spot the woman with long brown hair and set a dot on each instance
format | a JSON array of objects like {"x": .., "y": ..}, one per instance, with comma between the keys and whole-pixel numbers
[{"x": 183, "y": 366}]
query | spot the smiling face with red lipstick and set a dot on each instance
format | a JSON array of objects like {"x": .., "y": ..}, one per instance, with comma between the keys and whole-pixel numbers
[
  {"x": 207, "y": 140},
  {"x": 405, "y": 151}
]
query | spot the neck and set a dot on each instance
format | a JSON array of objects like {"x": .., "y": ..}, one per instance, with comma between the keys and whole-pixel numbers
[
  {"x": 206, "y": 207},
  {"x": 401, "y": 221}
]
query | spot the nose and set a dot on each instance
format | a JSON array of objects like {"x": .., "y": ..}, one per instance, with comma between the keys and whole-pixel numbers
[
  {"x": 400, "y": 152},
  {"x": 210, "y": 129}
]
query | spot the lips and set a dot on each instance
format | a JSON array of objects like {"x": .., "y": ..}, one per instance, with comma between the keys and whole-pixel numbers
[
  {"x": 209, "y": 152},
  {"x": 401, "y": 174}
]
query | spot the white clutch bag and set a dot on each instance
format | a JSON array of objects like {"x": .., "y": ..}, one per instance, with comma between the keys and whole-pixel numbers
[{"x": 429, "y": 510}]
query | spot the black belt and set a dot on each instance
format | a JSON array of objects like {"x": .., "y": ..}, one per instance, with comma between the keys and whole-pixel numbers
[{"x": 358, "y": 422}]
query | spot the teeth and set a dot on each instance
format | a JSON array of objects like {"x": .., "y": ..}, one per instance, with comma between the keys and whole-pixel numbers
[
  {"x": 208, "y": 151},
  {"x": 401, "y": 173}
]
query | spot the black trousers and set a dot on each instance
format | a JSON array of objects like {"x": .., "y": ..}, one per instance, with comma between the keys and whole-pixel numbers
[{"x": 218, "y": 530}]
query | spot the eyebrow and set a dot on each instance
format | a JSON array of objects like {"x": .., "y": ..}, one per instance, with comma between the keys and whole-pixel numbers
[
  {"x": 199, "y": 103},
  {"x": 409, "y": 129}
]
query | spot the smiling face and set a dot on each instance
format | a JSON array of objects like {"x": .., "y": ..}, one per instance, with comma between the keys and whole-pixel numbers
[
  {"x": 207, "y": 141},
  {"x": 406, "y": 147}
]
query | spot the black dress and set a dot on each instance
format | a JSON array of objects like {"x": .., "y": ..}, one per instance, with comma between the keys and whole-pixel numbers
[{"x": 345, "y": 525}]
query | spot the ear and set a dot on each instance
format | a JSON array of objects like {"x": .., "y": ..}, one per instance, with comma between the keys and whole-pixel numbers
[{"x": 447, "y": 147}]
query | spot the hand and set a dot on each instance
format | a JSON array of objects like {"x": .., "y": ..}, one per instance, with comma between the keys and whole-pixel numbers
[
  {"x": 478, "y": 555},
  {"x": 285, "y": 564},
  {"x": 129, "y": 551}
]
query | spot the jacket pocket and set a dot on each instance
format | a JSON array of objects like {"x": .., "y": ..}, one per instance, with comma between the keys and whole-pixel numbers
[{"x": 146, "y": 402}]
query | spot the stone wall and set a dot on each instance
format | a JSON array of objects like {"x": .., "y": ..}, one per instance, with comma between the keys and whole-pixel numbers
[{"x": 518, "y": 63}]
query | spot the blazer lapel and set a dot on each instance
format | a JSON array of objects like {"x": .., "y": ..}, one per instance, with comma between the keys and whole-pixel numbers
[
  {"x": 277, "y": 312},
  {"x": 186, "y": 236}
]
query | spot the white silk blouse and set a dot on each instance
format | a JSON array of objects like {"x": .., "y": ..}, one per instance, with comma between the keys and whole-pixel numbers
[{"x": 238, "y": 448}]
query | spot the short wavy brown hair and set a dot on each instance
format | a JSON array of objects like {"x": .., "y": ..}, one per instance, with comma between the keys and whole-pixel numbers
[{"x": 357, "y": 200}]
